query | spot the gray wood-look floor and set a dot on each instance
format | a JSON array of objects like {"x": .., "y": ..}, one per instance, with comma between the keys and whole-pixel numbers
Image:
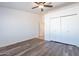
[{"x": 38, "y": 47}]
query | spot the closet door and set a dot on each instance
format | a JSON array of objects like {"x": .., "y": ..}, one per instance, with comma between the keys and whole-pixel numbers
[
  {"x": 55, "y": 29},
  {"x": 70, "y": 29}
]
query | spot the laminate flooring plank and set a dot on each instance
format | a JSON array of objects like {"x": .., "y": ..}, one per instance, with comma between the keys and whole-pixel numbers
[
  {"x": 47, "y": 53},
  {"x": 56, "y": 50},
  {"x": 45, "y": 49},
  {"x": 13, "y": 50},
  {"x": 35, "y": 50},
  {"x": 29, "y": 49},
  {"x": 38, "y": 47}
]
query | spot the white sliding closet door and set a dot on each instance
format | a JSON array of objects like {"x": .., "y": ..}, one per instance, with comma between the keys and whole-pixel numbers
[
  {"x": 55, "y": 29},
  {"x": 64, "y": 29},
  {"x": 70, "y": 29}
]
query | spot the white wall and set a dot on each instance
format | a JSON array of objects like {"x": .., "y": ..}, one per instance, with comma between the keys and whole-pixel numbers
[
  {"x": 66, "y": 10},
  {"x": 17, "y": 25}
]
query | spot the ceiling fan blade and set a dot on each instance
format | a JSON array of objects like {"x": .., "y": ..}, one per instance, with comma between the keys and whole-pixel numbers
[
  {"x": 35, "y": 7},
  {"x": 44, "y": 2},
  {"x": 37, "y": 2},
  {"x": 41, "y": 9},
  {"x": 48, "y": 6}
]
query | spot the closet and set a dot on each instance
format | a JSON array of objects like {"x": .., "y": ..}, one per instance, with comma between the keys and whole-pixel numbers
[{"x": 64, "y": 29}]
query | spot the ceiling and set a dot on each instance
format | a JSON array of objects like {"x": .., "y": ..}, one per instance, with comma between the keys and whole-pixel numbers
[{"x": 27, "y": 6}]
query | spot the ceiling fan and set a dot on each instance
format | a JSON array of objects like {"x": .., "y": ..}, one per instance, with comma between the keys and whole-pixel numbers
[{"x": 41, "y": 5}]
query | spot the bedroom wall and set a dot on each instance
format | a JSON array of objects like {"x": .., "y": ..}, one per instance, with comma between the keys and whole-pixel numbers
[{"x": 17, "y": 26}]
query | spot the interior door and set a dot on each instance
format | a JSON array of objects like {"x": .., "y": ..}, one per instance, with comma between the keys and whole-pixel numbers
[{"x": 70, "y": 29}]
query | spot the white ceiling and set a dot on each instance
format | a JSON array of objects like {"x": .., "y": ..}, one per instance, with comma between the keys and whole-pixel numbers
[{"x": 27, "y": 6}]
